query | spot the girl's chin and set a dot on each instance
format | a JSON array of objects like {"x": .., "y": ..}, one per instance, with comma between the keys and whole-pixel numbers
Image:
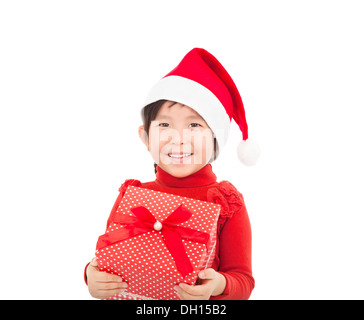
[{"x": 180, "y": 170}]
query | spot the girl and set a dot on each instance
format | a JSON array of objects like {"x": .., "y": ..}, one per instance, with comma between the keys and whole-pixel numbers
[{"x": 186, "y": 121}]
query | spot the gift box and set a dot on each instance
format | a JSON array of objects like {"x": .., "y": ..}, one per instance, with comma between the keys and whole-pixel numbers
[{"x": 156, "y": 241}]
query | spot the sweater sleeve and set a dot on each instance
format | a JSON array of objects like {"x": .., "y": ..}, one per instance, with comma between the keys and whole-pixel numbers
[{"x": 235, "y": 247}]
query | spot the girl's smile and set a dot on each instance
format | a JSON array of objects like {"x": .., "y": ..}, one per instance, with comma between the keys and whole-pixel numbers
[{"x": 181, "y": 156}]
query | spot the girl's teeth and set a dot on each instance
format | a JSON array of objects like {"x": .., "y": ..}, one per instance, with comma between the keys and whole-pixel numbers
[{"x": 179, "y": 155}]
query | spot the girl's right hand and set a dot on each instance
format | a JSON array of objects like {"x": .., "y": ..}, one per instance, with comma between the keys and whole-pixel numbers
[{"x": 102, "y": 285}]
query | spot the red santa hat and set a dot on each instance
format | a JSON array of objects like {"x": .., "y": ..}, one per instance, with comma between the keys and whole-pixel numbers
[{"x": 201, "y": 82}]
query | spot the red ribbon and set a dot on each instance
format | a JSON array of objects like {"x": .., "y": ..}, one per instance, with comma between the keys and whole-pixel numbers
[{"x": 143, "y": 221}]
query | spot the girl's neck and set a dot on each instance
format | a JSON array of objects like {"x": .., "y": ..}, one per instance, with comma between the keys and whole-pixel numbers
[{"x": 203, "y": 177}]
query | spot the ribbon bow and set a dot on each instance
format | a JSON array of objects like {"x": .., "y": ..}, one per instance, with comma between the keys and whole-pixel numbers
[{"x": 143, "y": 221}]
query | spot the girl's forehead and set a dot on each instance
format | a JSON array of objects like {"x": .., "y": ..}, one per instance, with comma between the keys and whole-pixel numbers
[{"x": 177, "y": 110}]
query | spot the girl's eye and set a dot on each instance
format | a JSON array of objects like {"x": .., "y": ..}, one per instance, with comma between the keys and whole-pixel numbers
[
  {"x": 194, "y": 125},
  {"x": 163, "y": 124}
]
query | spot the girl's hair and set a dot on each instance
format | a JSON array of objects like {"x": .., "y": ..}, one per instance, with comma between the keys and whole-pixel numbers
[{"x": 149, "y": 113}]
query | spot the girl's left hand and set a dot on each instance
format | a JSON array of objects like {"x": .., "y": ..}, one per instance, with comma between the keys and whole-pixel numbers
[{"x": 212, "y": 284}]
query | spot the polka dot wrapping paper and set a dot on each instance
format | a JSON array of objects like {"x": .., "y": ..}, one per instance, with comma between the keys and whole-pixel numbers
[{"x": 143, "y": 260}]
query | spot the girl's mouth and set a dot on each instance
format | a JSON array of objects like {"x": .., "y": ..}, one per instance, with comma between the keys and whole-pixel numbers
[{"x": 180, "y": 155}]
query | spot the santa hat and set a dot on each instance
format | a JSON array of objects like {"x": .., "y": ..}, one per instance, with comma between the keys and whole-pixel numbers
[{"x": 202, "y": 83}]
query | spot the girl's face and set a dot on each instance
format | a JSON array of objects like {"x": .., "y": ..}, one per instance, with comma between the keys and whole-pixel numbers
[{"x": 180, "y": 141}]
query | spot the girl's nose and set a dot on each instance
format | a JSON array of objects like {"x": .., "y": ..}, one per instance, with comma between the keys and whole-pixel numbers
[
  {"x": 184, "y": 136},
  {"x": 176, "y": 136}
]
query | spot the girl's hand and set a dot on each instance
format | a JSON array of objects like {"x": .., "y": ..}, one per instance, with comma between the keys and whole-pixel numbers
[
  {"x": 212, "y": 284},
  {"x": 103, "y": 285}
]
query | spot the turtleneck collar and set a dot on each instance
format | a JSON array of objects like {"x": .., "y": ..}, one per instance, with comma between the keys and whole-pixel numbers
[{"x": 203, "y": 177}]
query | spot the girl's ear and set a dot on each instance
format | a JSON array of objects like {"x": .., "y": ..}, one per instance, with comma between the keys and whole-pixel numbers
[{"x": 143, "y": 136}]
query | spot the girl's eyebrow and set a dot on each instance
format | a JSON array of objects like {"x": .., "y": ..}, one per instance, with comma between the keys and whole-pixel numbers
[
  {"x": 164, "y": 117},
  {"x": 191, "y": 117},
  {"x": 194, "y": 117}
]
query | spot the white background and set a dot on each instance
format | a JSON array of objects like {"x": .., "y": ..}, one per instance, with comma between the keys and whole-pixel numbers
[{"x": 73, "y": 75}]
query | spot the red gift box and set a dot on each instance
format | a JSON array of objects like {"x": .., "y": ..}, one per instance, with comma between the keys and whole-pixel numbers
[{"x": 156, "y": 241}]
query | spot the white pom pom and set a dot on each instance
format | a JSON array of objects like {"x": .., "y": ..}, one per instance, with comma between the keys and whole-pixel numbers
[{"x": 248, "y": 152}]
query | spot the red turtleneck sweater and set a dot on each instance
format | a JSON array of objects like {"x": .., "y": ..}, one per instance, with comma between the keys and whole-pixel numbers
[{"x": 233, "y": 251}]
